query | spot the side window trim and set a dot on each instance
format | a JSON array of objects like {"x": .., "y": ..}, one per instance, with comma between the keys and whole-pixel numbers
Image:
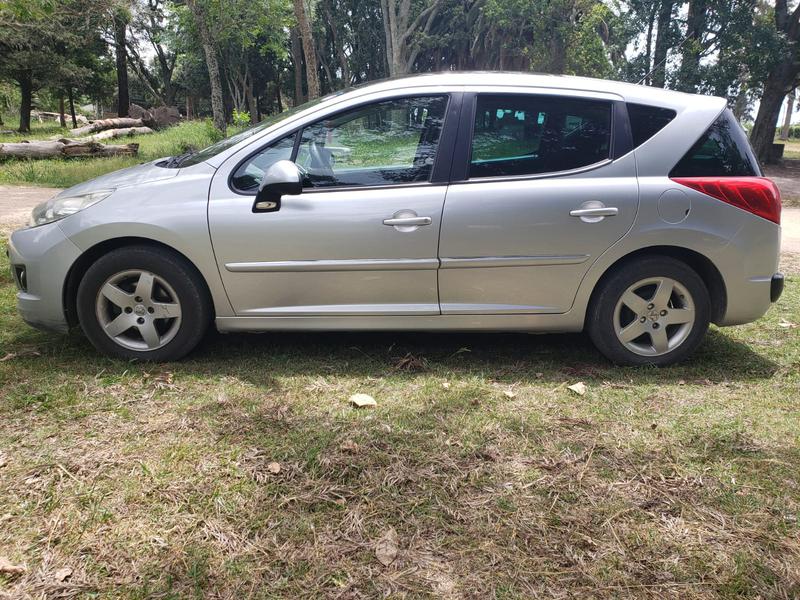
[
  {"x": 454, "y": 101},
  {"x": 620, "y": 143}
]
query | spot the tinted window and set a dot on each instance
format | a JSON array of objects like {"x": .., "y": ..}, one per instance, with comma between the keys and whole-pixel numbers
[
  {"x": 249, "y": 174},
  {"x": 523, "y": 135},
  {"x": 646, "y": 121},
  {"x": 379, "y": 144},
  {"x": 722, "y": 151}
]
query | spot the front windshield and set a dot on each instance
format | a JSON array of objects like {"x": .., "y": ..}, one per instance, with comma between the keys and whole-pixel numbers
[{"x": 229, "y": 142}]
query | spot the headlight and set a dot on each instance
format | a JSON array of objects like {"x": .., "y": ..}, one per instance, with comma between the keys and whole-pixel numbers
[{"x": 58, "y": 208}]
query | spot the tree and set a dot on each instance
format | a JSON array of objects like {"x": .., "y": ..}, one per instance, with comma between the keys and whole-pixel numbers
[
  {"x": 121, "y": 16},
  {"x": 401, "y": 22},
  {"x": 782, "y": 77},
  {"x": 309, "y": 51},
  {"x": 155, "y": 28},
  {"x": 40, "y": 51},
  {"x": 198, "y": 11},
  {"x": 787, "y": 118}
]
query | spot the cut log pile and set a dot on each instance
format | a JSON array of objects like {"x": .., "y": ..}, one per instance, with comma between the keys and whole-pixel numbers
[
  {"x": 65, "y": 149},
  {"x": 102, "y": 129}
]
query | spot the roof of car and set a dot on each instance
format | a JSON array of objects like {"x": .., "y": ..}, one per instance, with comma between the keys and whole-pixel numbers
[{"x": 629, "y": 91}]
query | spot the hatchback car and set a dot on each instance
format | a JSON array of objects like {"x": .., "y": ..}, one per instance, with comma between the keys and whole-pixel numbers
[{"x": 459, "y": 202}]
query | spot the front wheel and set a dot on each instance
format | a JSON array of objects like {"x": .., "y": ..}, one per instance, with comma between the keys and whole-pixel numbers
[
  {"x": 143, "y": 303},
  {"x": 653, "y": 311}
]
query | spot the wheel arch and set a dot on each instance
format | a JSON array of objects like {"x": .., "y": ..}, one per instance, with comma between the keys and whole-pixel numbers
[
  {"x": 90, "y": 255},
  {"x": 701, "y": 264}
]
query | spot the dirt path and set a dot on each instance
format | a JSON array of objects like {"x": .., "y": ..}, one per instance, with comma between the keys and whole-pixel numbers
[{"x": 16, "y": 203}]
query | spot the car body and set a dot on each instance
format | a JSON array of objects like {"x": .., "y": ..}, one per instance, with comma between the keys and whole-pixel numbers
[{"x": 457, "y": 201}]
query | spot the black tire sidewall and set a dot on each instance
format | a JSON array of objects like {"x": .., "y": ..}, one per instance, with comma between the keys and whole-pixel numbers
[
  {"x": 600, "y": 321},
  {"x": 172, "y": 268}
]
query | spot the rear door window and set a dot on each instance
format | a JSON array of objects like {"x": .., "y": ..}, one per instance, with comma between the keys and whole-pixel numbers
[
  {"x": 722, "y": 151},
  {"x": 527, "y": 135}
]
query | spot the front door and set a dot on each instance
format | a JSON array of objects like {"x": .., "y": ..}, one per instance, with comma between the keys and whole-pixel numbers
[
  {"x": 542, "y": 196},
  {"x": 361, "y": 239}
]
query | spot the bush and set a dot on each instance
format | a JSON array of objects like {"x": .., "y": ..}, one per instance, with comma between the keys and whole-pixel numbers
[{"x": 241, "y": 118}]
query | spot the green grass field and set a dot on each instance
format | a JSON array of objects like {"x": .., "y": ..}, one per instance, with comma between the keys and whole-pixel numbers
[
  {"x": 152, "y": 481},
  {"x": 192, "y": 135}
]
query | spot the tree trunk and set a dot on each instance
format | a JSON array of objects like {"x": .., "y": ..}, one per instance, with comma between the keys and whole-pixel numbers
[
  {"x": 309, "y": 51},
  {"x": 763, "y": 134},
  {"x": 689, "y": 73},
  {"x": 26, "y": 91},
  {"x": 61, "y": 120},
  {"x": 120, "y": 35},
  {"x": 210, "y": 51},
  {"x": 787, "y": 118},
  {"x": 64, "y": 149},
  {"x": 72, "y": 107},
  {"x": 662, "y": 43},
  {"x": 297, "y": 60}
]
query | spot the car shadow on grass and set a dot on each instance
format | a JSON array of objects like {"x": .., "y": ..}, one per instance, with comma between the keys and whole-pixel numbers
[
  {"x": 503, "y": 357},
  {"x": 508, "y": 357}
]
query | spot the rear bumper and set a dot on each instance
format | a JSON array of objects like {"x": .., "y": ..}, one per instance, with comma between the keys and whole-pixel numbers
[
  {"x": 46, "y": 255},
  {"x": 776, "y": 287}
]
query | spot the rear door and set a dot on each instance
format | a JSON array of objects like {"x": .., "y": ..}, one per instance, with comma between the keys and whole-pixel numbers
[{"x": 543, "y": 185}]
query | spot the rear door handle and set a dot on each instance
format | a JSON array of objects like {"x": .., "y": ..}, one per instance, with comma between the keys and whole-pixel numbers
[
  {"x": 407, "y": 221},
  {"x": 606, "y": 211}
]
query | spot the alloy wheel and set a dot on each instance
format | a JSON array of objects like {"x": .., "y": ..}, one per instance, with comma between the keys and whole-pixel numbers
[
  {"x": 654, "y": 316},
  {"x": 138, "y": 310}
]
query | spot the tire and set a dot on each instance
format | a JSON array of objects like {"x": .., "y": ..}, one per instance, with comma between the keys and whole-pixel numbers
[
  {"x": 653, "y": 311},
  {"x": 145, "y": 303}
]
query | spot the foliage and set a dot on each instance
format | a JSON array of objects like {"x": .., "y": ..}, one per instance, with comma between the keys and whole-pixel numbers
[{"x": 240, "y": 118}]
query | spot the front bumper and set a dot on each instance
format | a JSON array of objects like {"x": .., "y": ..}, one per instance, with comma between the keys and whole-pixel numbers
[{"x": 46, "y": 255}]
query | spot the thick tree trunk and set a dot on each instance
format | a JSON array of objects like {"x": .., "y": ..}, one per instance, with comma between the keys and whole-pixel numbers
[
  {"x": 787, "y": 118},
  {"x": 102, "y": 124},
  {"x": 662, "y": 43},
  {"x": 209, "y": 49},
  {"x": 72, "y": 107},
  {"x": 61, "y": 120},
  {"x": 121, "y": 51},
  {"x": 763, "y": 134},
  {"x": 309, "y": 51},
  {"x": 26, "y": 92},
  {"x": 65, "y": 149}
]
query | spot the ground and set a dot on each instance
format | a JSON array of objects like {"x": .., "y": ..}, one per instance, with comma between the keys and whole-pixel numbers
[{"x": 243, "y": 471}]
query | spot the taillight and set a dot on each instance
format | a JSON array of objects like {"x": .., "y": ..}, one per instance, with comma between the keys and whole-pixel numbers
[{"x": 757, "y": 195}]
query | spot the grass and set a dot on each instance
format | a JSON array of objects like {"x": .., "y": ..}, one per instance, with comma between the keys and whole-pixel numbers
[
  {"x": 155, "y": 481},
  {"x": 68, "y": 172},
  {"x": 791, "y": 148}
]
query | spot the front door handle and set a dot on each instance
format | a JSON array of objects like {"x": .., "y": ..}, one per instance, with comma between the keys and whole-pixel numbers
[{"x": 407, "y": 221}]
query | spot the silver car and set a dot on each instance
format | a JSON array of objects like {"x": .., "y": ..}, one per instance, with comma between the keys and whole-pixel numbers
[{"x": 459, "y": 202}]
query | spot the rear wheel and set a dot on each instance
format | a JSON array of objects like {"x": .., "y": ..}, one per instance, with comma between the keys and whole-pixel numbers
[
  {"x": 143, "y": 303},
  {"x": 652, "y": 311}
]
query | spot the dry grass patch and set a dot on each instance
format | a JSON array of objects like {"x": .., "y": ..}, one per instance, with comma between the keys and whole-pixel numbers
[{"x": 498, "y": 481}]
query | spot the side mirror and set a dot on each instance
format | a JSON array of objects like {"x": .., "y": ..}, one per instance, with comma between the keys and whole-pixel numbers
[{"x": 282, "y": 178}]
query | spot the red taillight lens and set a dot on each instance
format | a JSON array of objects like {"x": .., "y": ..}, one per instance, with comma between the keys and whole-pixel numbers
[{"x": 757, "y": 195}]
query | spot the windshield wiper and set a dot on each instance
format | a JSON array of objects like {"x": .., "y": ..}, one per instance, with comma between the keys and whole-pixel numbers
[{"x": 175, "y": 161}]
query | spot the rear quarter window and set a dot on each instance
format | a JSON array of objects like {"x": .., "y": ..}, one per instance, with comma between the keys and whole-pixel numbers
[
  {"x": 646, "y": 121},
  {"x": 722, "y": 151}
]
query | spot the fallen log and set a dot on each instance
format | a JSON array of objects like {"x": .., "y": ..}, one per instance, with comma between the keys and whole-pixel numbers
[
  {"x": 103, "y": 124},
  {"x": 65, "y": 149},
  {"x": 122, "y": 132}
]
